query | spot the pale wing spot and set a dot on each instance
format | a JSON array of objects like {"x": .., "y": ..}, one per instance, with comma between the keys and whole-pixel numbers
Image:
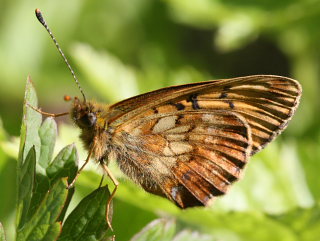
[
  {"x": 167, "y": 151},
  {"x": 163, "y": 165},
  {"x": 184, "y": 158},
  {"x": 176, "y": 137},
  {"x": 179, "y": 129},
  {"x": 165, "y": 123},
  {"x": 136, "y": 132},
  {"x": 180, "y": 147},
  {"x": 246, "y": 87},
  {"x": 159, "y": 167},
  {"x": 207, "y": 117}
]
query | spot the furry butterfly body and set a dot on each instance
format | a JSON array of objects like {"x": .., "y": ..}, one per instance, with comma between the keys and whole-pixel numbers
[{"x": 189, "y": 143}]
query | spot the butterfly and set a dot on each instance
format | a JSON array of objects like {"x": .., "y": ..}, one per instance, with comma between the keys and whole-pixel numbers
[{"x": 187, "y": 143}]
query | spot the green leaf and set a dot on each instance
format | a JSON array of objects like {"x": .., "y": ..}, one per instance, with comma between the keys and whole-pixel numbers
[
  {"x": 157, "y": 230},
  {"x": 43, "y": 224},
  {"x": 29, "y": 145},
  {"x": 48, "y": 135},
  {"x": 188, "y": 235},
  {"x": 41, "y": 187},
  {"x": 8, "y": 183},
  {"x": 88, "y": 220},
  {"x": 230, "y": 225},
  {"x": 309, "y": 153},
  {"x": 31, "y": 122},
  {"x": 25, "y": 187},
  {"x": 304, "y": 223},
  {"x": 34, "y": 187},
  {"x": 64, "y": 165},
  {"x": 2, "y": 233}
]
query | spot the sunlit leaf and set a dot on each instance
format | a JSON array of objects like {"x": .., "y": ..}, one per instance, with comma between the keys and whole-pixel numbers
[
  {"x": 48, "y": 135},
  {"x": 64, "y": 164},
  {"x": 31, "y": 122},
  {"x": 2, "y": 233},
  {"x": 88, "y": 220},
  {"x": 25, "y": 187},
  {"x": 43, "y": 224},
  {"x": 158, "y": 230}
]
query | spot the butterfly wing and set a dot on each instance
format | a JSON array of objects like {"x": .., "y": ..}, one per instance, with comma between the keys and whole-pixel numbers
[
  {"x": 189, "y": 157},
  {"x": 267, "y": 103},
  {"x": 190, "y": 142}
]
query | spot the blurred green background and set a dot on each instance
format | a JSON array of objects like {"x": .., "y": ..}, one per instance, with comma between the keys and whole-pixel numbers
[{"x": 120, "y": 48}]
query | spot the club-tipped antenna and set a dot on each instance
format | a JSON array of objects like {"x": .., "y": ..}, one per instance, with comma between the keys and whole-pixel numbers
[{"x": 44, "y": 24}]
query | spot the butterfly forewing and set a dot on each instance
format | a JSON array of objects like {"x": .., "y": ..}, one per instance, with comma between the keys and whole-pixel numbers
[{"x": 266, "y": 102}]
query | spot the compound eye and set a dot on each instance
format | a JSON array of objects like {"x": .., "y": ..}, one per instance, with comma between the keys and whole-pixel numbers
[{"x": 87, "y": 120}]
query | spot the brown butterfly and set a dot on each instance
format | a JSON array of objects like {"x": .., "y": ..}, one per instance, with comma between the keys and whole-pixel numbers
[{"x": 187, "y": 143}]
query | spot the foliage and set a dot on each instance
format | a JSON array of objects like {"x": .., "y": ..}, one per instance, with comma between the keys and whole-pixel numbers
[
  {"x": 120, "y": 49},
  {"x": 43, "y": 197}
]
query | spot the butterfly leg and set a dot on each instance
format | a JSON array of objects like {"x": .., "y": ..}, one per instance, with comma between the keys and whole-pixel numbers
[
  {"x": 116, "y": 184},
  {"x": 46, "y": 113},
  {"x": 84, "y": 164}
]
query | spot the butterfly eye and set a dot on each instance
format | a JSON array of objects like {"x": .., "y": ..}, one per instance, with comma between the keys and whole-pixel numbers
[{"x": 87, "y": 120}]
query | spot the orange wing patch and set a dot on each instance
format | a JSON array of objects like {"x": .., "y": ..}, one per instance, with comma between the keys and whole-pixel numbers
[{"x": 191, "y": 157}]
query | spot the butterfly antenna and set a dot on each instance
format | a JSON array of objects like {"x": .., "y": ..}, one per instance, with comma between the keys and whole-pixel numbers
[{"x": 44, "y": 24}]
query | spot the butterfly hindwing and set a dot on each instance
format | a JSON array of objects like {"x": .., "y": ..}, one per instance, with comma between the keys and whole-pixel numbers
[{"x": 191, "y": 157}]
